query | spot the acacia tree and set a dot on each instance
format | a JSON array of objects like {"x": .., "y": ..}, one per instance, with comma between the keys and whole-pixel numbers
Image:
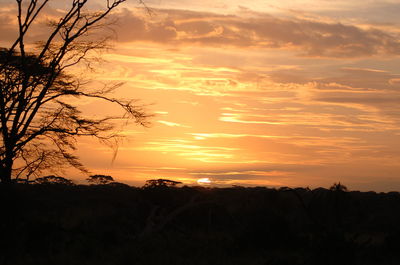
[
  {"x": 38, "y": 125},
  {"x": 156, "y": 183},
  {"x": 54, "y": 180},
  {"x": 100, "y": 179}
]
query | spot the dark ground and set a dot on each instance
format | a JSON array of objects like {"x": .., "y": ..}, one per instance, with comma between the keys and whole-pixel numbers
[{"x": 116, "y": 224}]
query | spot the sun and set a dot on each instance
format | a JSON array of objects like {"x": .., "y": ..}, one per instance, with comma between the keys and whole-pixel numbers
[{"x": 204, "y": 181}]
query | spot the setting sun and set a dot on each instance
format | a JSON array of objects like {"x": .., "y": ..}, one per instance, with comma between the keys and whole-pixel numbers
[{"x": 204, "y": 181}]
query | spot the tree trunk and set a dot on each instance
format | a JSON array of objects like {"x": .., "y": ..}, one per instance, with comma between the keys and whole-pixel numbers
[{"x": 5, "y": 172}]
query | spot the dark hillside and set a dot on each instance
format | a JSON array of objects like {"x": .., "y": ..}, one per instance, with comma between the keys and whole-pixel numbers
[{"x": 116, "y": 224}]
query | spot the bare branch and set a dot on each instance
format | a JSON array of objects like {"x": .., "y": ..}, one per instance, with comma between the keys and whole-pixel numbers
[{"x": 38, "y": 128}]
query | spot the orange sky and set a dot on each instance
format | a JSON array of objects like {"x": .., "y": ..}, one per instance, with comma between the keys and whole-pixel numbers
[{"x": 294, "y": 93}]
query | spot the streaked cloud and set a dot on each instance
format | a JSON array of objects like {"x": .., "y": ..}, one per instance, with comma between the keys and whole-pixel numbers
[
  {"x": 172, "y": 124},
  {"x": 261, "y": 30}
]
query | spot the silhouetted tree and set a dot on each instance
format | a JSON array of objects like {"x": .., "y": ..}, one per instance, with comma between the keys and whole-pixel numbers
[
  {"x": 338, "y": 187},
  {"x": 54, "y": 180},
  {"x": 38, "y": 126},
  {"x": 100, "y": 179},
  {"x": 161, "y": 183}
]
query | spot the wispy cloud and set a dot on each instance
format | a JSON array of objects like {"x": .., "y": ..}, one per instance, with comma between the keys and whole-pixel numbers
[
  {"x": 190, "y": 150},
  {"x": 173, "y": 124}
]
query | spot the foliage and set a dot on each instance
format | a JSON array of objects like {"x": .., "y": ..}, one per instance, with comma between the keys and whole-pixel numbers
[
  {"x": 39, "y": 124},
  {"x": 54, "y": 180},
  {"x": 100, "y": 179},
  {"x": 153, "y": 183}
]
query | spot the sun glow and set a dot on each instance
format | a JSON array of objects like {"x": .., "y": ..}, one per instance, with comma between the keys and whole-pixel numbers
[{"x": 204, "y": 181}]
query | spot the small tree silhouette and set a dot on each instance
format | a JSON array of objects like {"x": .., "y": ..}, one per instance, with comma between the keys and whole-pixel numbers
[
  {"x": 338, "y": 187},
  {"x": 100, "y": 179},
  {"x": 54, "y": 180},
  {"x": 152, "y": 183}
]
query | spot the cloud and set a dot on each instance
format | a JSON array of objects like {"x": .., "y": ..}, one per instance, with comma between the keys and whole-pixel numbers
[
  {"x": 191, "y": 150},
  {"x": 255, "y": 174},
  {"x": 261, "y": 30},
  {"x": 172, "y": 124},
  {"x": 8, "y": 26},
  {"x": 246, "y": 177},
  {"x": 365, "y": 79},
  {"x": 200, "y": 136},
  {"x": 308, "y": 37}
]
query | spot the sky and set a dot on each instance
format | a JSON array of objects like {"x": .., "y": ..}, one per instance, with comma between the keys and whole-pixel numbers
[{"x": 254, "y": 93}]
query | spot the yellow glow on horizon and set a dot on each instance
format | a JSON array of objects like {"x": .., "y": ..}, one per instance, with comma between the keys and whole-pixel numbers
[{"x": 204, "y": 181}]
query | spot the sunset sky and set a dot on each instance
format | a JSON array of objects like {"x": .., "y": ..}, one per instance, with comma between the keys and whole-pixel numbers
[{"x": 275, "y": 93}]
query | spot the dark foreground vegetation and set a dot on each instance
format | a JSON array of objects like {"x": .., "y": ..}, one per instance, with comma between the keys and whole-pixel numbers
[{"x": 117, "y": 224}]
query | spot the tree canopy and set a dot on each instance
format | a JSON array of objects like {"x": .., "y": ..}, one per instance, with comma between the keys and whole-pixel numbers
[
  {"x": 54, "y": 180},
  {"x": 100, "y": 179},
  {"x": 152, "y": 183},
  {"x": 39, "y": 124}
]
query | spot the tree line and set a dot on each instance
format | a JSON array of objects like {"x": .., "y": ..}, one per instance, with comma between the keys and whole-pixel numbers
[{"x": 107, "y": 224}]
